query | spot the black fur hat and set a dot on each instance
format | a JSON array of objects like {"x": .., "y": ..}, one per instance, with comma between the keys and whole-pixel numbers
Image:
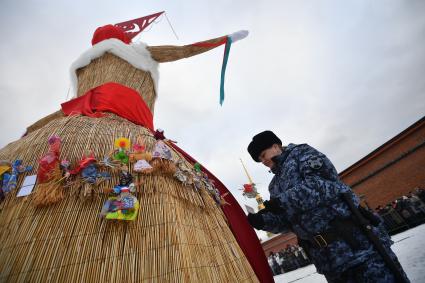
[{"x": 261, "y": 142}]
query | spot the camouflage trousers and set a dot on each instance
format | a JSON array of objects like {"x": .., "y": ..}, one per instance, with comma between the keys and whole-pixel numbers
[{"x": 373, "y": 270}]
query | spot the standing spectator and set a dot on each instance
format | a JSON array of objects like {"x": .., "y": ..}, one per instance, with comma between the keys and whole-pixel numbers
[
  {"x": 303, "y": 256},
  {"x": 274, "y": 265},
  {"x": 420, "y": 193}
]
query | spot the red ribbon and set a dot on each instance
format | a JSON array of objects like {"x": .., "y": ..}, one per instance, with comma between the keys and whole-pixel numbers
[
  {"x": 210, "y": 45},
  {"x": 111, "y": 97}
]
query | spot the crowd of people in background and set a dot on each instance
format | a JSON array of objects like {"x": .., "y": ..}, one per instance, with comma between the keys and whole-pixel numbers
[
  {"x": 288, "y": 259},
  {"x": 405, "y": 212}
]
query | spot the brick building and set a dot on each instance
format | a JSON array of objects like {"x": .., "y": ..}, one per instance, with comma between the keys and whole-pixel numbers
[
  {"x": 392, "y": 170},
  {"x": 279, "y": 242}
]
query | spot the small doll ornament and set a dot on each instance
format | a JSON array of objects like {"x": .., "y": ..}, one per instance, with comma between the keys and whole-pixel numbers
[
  {"x": 50, "y": 188},
  {"x": 122, "y": 146},
  {"x": 49, "y": 162},
  {"x": 10, "y": 179},
  {"x": 65, "y": 167},
  {"x": 126, "y": 180},
  {"x": 140, "y": 158},
  {"x": 90, "y": 175},
  {"x": 198, "y": 176},
  {"x": 201, "y": 181},
  {"x": 162, "y": 160},
  {"x": 184, "y": 173},
  {"x": 209, "y": 185},
  {"x": 123, "y": 206}
]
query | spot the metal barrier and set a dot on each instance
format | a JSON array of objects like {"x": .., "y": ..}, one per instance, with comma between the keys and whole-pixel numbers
[
  {"x": 407, "y": 218},
  {"x": 394, "y": 222}
]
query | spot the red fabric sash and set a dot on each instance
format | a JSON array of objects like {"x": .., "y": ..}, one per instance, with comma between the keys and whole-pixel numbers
[
  {"x": 242, "y": 230},
  {"x": 111, "y": 97}
]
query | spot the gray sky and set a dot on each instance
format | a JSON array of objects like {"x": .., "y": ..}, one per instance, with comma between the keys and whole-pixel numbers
[{"x": 343, "y": 76}]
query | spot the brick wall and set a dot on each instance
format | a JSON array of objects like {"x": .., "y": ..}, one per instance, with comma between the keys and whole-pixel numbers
[
  {"x": 392, "y": 170},
  {"x": 279, "y": 242}
]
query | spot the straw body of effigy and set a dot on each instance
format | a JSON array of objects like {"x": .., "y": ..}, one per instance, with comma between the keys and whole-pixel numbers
[
  {"x": 110, "y": 68},
  {"x": 180, "y": 234}
]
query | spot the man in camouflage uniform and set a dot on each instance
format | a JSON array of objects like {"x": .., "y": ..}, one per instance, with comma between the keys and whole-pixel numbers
[{"x": 305, "y": 197}]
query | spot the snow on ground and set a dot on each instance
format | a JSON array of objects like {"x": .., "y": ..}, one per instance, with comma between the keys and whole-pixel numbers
[{"x": 409, "y": 247}]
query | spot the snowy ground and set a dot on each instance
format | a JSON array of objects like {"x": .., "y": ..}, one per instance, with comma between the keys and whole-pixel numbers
[{"x": 409, "y": 247}]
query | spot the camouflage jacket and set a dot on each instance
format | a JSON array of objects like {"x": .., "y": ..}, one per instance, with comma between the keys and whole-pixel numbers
[{"x": 308, "y": 187}]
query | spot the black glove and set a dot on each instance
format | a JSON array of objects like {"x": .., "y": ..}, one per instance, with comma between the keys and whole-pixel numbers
[
  {"x": 273, "y": 205},
  {"x": 256, "y": 221}
]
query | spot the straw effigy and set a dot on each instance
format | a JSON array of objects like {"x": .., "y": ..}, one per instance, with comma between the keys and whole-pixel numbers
[{"x": 180, "y": 234}]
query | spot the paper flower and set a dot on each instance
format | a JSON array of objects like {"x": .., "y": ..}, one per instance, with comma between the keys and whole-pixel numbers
[{"x": 122, "y": 143}]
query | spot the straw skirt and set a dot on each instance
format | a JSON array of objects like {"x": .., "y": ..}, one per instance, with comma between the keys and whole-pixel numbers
[{"x": 180, "y": 234}]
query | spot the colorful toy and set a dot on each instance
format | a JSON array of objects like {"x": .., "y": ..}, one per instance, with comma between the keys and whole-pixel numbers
[
  {"x": 90, "y": 176},
  {"x": 4, "y": 168},
  {"x": 50, "y": 188},
  {"x": 184, "y": 173},
  {"x": 162, "y": 159},
  {"x": 10, "y": 180},
  {"x": 49, "y": 162},
  {"x": 122, "y": 145},
  {"x": 124, "y": 206},
  {"x": 140, "y": 158}
]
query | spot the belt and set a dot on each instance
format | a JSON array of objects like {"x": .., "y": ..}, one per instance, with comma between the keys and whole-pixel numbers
[
  {"x": 323, "y": 239},
  {"x": 340, "y": 229}
]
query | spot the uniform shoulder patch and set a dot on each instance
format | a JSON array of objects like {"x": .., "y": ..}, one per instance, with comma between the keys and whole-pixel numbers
[{"x": 315, "y": 162}]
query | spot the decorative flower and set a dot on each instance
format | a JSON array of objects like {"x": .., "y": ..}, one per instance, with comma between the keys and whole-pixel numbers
[
  {"x": 248, "y": 188},
  {"x": 123, "y": 143}
]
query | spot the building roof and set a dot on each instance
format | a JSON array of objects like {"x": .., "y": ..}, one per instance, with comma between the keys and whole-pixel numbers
[{"x": 383, "y": 147}]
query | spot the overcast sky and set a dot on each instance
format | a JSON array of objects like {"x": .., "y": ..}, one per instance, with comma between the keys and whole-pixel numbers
[{"x": 342, "y": 76}]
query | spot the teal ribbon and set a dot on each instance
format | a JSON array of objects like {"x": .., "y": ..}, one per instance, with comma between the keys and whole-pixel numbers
[{"x": 223, "y": 68}]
